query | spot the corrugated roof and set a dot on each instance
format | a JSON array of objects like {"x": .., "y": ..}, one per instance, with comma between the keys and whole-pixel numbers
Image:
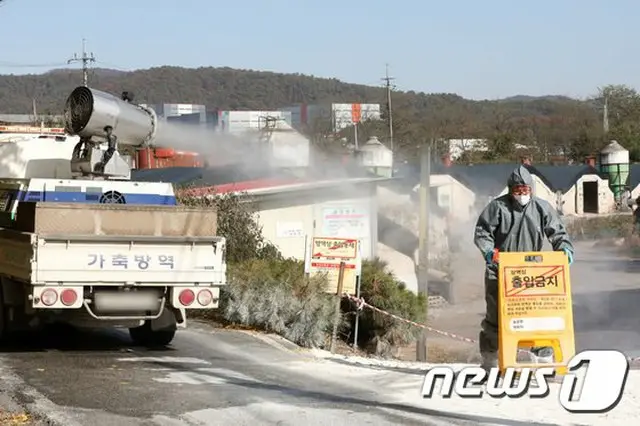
[
  {"x": 205, "y": 176},
  {"x": 175, "y": 175},
  {"x": 563, "y": 177},
  {"x": 487, "y": 179},
  {"x": 492, "y": 178},
  {"x": 634, "y": 175},
  {"x": 232, "y": 173}
]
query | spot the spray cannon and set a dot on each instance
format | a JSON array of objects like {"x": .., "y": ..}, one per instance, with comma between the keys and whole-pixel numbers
[{"x": 104, "y": 121}]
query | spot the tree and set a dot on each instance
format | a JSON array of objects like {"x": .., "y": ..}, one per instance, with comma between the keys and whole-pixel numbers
[
  {"x": 548, "y": 125},
  {"x": 623, "y": 108}
]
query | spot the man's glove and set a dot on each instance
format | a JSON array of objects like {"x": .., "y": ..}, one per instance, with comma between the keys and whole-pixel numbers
[
  {"x": 491, "y": 257},
  {"x": 569, "y": 254}
]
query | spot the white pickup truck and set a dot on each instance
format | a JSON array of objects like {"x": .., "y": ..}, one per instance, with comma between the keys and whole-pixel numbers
[{"x": 109, "y": 265}]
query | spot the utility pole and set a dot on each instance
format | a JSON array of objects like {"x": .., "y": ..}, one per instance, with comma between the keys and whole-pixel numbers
[
  {"x": 85, "y": 59},
  {"x": 423, "y": 253},
  {"x": 387, "y": 79},
  {"x": 605, "y": 115}
]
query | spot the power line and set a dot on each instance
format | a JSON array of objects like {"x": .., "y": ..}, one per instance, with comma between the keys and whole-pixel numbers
[
  {"x": 85, "y": 59},
  {"x": 387, "y": 79}
]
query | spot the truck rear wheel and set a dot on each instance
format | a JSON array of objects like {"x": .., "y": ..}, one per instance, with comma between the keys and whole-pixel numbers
[{"x": 145, "y": 336}]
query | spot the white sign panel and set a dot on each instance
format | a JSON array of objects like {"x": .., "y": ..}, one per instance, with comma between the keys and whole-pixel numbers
[
  {"x": 289, "y": 229},
  {"x": 345, "y": 222}
]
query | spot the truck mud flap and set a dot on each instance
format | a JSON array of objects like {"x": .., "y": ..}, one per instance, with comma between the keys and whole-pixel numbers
[
  {"x": 161, "y": 310},
  {"x": 166, "y": 321}
]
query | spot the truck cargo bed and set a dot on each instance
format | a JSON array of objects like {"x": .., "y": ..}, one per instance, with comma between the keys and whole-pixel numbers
[
  {"x": 108, "y": 259},
  {"x": 115, "y": 219}
]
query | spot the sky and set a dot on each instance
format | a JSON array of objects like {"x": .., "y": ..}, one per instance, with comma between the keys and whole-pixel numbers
[{"x": 478, "y": 49}]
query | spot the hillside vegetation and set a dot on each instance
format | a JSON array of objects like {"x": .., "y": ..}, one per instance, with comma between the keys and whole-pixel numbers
[{"x": 551, "y": 125}]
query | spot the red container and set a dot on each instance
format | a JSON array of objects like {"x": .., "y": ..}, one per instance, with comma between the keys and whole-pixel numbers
[
  {"x": 164, "y": 152},
  {"x": 145, "y": 159},
  {"x": 157, "y": 158},
  {"x": 187, "y": 159}
]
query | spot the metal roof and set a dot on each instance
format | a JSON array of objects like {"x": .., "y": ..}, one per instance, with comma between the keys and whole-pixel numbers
[
  {"x": 612, "y": 148},
  {"x": 565, "y": 176},
  {"x": 490, "y": 179},
  {"x": 634, "y": 175},
  {"x": 205, "y": 176}
]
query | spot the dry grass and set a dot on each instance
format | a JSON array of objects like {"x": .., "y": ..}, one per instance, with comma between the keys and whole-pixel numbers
[
  {"x": 16, "y": 419},
  {"x": 601, "y": 227}
]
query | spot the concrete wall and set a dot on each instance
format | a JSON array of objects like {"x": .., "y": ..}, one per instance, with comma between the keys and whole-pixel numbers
[
  {"x": 574, "y": 197},
  {"x": 290, "y": 220},
  {"x": 454, "y": 197},
  {"x": 288, "y": 228},
  {"x": 448, "y": 194}
]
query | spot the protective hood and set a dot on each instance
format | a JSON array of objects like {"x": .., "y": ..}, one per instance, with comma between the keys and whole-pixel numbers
[
  {"x": 505, "y": 226},
  {"x": 520, "y": 176}
]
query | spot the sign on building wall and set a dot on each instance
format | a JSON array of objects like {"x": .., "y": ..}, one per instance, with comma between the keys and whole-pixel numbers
[
  {"x": 343, "y": 221},
  {"x": 290, "y": 229}
]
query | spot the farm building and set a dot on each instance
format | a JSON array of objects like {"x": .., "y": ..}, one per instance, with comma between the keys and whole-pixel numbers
[
  {"x": 634, "y": 180},
  {"x": 290, "y": 209},
  {"x": 464, "y": 190},
  {"x": 583, "y": 189},
  {"x": 571, "y": 189}
]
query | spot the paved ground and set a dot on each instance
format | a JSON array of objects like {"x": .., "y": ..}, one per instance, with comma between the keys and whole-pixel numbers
[
  {"x": 207, "y": 377},
  {"x": 223, "y": 377},
  {"x": 606, "y": 299}
]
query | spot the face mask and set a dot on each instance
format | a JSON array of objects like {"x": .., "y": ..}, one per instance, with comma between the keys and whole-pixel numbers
[{"x": 522, "y": 199}]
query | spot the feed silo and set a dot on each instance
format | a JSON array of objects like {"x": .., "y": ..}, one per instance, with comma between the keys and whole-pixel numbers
[{"x": 614, "y": 166}]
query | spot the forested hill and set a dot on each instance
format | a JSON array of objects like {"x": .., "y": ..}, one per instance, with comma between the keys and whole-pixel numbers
[{"x": 551, "y": 121}]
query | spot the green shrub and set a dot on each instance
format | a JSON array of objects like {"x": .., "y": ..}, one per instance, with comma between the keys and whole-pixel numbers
[
  {"x": 380, "y": 333},
  {"x": 236, "y": 222},
  {"x": 601, "y": 227},
  {"x": 276, "y": 296}
]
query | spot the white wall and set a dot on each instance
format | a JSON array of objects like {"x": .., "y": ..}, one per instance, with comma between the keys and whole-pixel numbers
[
  {"x": 541, "y": 190},
  {"x": 452, "y": 196},
  {"x": 287, "y": 220},
  {"x": 574, "y": 197},
  {"x": 287, "y": 228}
]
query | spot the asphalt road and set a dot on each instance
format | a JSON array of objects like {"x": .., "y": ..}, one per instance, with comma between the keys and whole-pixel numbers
[
  {"x": 605, "y": 292},
  {"x": 224, "y": 377},
  {"x": 207, "y": 377},
  {"x": 606, "y": 300}
]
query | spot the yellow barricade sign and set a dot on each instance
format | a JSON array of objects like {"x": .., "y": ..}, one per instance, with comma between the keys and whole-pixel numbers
[
  {"x": 535, "y": 308},
  {"x": 324, "y": 257}
]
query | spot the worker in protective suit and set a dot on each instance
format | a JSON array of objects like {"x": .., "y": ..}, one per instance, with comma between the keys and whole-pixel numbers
[
  {"x": 636, "y": 217},
  {"x": 515, "y": 222}
]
